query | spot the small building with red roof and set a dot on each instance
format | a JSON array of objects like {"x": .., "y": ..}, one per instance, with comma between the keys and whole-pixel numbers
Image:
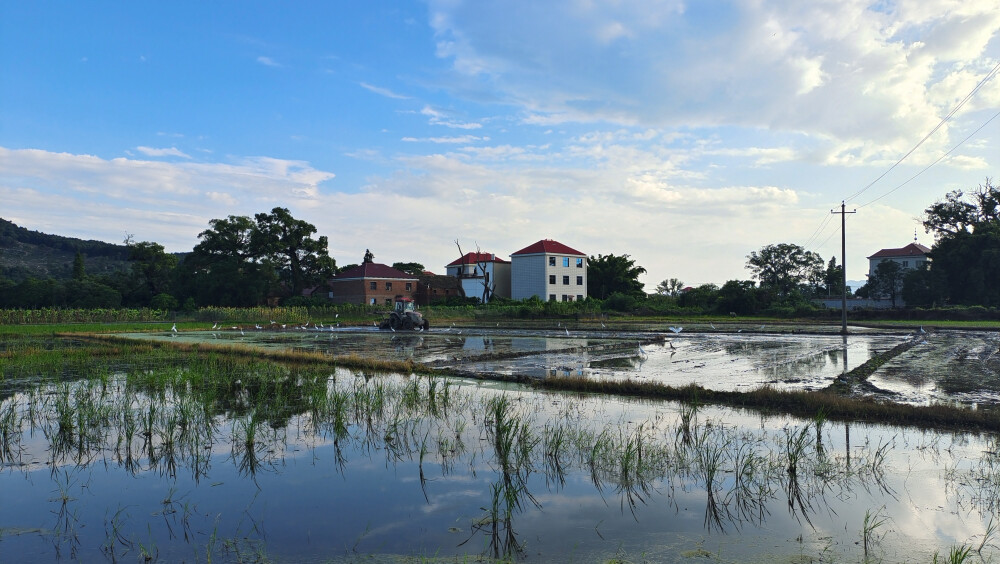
[
  {"x": 372, "y": 283},
  {"x": 549, "y": 270},
  {"x": 477, "y": 271},
  {"x": 909, "y": 257}
]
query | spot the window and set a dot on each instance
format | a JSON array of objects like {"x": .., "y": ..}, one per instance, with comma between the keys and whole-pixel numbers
[
  {"x": 579, "y": 263},
  {"x": 552, "y": 278},
  {"x": 409, "y": 286},
  {"x": 388, "y": 285},
  {"x": 552, "y": 261},
  {"x": 552, "y": 297},
  {"x": 566, "y": 262},
  {"x": 579, "y": 298},
  {"x": 371, "y": 301},
  {"x": 388, "y": 301},
  {"x": 906, "y": 263},
  {"x": 579, "y": 280},
  {"x": 372, "y": 285},
  {"x": 564, "y": 296},
  {"x": 565, "y": 280}
]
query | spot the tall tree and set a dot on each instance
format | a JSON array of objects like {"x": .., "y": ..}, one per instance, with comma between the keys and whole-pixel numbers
[
  {"x": 833, "y": 278},
  {"x": 784, "y": 266},
  {"x": 151, "y": 271},
  {"x": 79, "y": 268},
  {"x": 609, "y": 274},
  {"x": 288, "y": 245},
  {"x": 670, "y": 287},
  {"x": 966, "y": 254},
  {"x": 888, "y": 281}
]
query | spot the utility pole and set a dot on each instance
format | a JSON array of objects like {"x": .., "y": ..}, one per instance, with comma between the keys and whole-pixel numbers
[{"x": 843, "y": 262}]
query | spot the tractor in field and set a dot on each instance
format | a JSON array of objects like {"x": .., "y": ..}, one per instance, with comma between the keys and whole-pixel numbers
[{"x": 405, "y": 318}]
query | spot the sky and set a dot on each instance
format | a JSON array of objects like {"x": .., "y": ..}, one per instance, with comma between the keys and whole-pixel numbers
[{"x": 686, "y": 134}]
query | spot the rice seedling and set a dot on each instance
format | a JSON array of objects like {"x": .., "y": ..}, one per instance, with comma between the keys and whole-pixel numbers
[{"x": 871, "y": 527}]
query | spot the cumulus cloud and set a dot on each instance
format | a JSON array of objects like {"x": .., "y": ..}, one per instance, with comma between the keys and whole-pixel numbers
[
  {"x": 460, "y": 139},
  {"x": 838, "y": 70}
]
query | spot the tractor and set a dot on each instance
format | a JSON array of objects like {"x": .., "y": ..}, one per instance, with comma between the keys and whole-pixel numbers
[{"x": 404, "y": 317}]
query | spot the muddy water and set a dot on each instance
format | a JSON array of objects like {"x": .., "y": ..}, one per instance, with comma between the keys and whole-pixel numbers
[
  {"x": 715, "y": 360},
  {"x": 945, "y": 366}
]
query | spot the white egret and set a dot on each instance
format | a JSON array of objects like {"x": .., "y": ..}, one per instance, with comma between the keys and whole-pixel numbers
[{"x": 676, "y": 329}]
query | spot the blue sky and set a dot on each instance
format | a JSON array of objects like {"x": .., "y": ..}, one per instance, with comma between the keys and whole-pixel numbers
[{"x": 685, "y": 134}]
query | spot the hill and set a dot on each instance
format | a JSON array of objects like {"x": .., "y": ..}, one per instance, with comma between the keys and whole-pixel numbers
[{"x": 25, "y": 254}]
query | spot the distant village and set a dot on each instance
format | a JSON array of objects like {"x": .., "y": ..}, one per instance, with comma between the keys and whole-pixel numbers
[{"x": 547, "y": 269}]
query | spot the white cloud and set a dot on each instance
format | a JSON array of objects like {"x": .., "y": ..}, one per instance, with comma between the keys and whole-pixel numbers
[
  {"x": 171, "y": 152},
  {"x": 438, "y": 117},
  {"x": 383, "y": 91},
  {"x": 267, "y": 61},
  {"x": 459, "y": 139},
  {"x": 842, "y": 71}
]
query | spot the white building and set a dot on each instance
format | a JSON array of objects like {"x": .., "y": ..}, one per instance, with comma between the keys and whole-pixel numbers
[
  {"x": 909, "y": 257},
  {"x": 550, "y": 270},
  {"x": 476, "y": 270}
]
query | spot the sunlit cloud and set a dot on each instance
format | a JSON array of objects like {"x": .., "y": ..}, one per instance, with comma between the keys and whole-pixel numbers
[{"x": 267, "y": 61}]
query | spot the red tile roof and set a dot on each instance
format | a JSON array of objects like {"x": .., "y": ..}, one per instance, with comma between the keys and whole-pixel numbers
[
  {"x": 476, "y": 258},
  {"x": 911, "y": 250},
  {"x": 548, "y": 246},
  {"x": 373, "y": 270}
]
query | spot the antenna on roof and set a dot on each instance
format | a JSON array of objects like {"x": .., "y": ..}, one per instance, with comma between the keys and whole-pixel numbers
[{"x": 914, "y": 234}]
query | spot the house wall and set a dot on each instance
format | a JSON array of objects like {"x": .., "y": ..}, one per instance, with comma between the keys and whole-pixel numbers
[
  {"x": 501, "y": 275},
  {"x": 907, "y": 263},
  {"x": 531, "y": 275},
  {"x": 359, "y": 291}
]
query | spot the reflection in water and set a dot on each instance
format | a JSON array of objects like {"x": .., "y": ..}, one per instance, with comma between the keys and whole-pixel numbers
[{"x": 509, "y": 470}]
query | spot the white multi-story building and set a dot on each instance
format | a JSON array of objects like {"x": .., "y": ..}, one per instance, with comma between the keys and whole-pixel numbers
[
  {"x": 911, "y": 256},
  {"x": 550, "y": 270},
  {"x": 476, "y": 270}
]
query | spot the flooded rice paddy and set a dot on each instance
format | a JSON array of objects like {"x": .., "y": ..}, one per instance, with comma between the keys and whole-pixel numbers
[
  {"x": 715, "y": 360},
  {"x": 213, "y": 459}
]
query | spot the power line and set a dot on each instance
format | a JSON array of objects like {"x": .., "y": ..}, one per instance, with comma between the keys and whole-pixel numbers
[
  {"x": 939, "y": 159},
  {"x": 941, "y": 123}
]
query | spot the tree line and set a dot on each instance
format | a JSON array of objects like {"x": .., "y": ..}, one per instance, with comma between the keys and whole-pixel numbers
[{"x": 243, "y": 261}]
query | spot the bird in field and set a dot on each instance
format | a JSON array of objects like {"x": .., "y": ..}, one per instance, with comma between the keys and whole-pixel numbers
[
  {"x": 712, "y": 325},
  {"x": 676, "y": 329},
  {"x": 174, "y": 328},
  {"x": 642, "y": 352},
  {"x": 215, "y": 326},
  {"x": 567, "y": 332}
]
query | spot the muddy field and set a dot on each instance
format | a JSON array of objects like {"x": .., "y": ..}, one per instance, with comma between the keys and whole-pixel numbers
[{"x": 945, "y": 366}]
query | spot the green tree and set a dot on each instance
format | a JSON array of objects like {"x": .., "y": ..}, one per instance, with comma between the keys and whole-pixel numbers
[
  {"x": 288, "y": 245},
  {"x": 965, "y": 259},
  {"x": 670, "y": 287},
  {"x": 225, "y": 268},
  {"x": 833, "y": 278},
  {"x": 609, "y": 274},
  {"x": 888, "y": 280},
  {"x": 79, "y": 270},
  {"x": 783, "y": 267},
  {"x": 151, "y": 271},
  {"x": 737, "y": 296},
  {"x": 414, "y": 268}
]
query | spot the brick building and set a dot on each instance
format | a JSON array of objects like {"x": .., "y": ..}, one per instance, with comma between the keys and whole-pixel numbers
[{"x": 372, "y": 283}]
